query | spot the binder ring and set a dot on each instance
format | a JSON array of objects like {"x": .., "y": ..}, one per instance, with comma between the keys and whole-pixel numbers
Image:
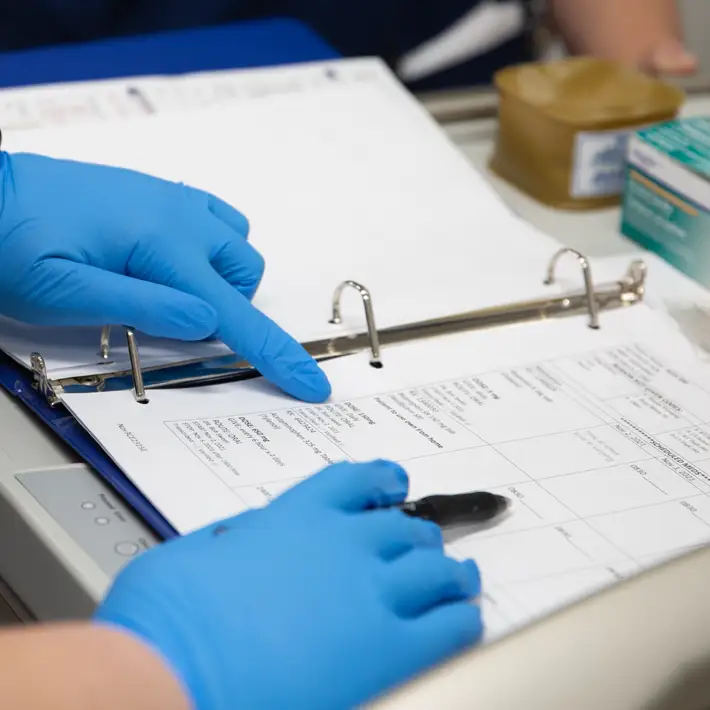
[
  {"x": 635, "y": 277},
  {"x": 372, "y": 334},
  {"x": 105, "y": 348},
  {"x": 136, "y": 373},
  {"x": 592, "y": 306},
  {"x": 41, "y": 379}
]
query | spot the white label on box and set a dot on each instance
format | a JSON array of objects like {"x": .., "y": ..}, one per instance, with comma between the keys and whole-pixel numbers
[
  {"x": 598, "y": 163},
  {"x": 674, "y": 175}
]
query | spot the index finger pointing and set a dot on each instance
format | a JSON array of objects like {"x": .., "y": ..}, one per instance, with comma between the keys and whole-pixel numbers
[
  {"x": 254, "y": 336},
  {"x": 273, "y": 352}
]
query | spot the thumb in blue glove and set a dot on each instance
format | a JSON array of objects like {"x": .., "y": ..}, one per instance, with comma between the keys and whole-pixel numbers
[
  {"x": 321, "y": 601},
  {"x": 93, "y": 245}
]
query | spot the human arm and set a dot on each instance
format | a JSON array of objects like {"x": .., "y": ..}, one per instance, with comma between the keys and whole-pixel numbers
[
  {"x": 642, "y": 33},
  {"x": 322, "y": 600},
  {"x": 82, "y": 666}
]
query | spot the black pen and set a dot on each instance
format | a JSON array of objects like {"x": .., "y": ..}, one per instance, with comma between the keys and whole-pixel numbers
[{"x": 461, "y": 509}]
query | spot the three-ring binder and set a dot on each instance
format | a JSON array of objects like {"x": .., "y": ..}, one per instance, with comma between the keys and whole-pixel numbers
[{"x": 626, "y": 291}]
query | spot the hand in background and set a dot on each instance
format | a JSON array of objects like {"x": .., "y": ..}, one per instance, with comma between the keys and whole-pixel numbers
[
  {"x": 670, "y": 57},
  {"x": 646, "y": 34}
]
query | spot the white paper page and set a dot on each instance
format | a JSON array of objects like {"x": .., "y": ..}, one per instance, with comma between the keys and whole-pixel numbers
[
  {"x": 678, "y": 298},
  {"x": 209, "y": 89},
  {"x": 352, "y": 183},
  {"x": 601, "y": 439},
  {"x": 75, "y": 352},
  {"x": 52, "y": 105}
]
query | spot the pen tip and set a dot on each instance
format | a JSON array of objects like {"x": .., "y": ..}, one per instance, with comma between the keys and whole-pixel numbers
[{"x": 504, "y": 502}]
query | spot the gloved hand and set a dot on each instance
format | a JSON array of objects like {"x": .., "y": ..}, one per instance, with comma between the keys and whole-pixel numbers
[
  {"x": 93, "y": 245},
  {"x": 319, "y": 601}
]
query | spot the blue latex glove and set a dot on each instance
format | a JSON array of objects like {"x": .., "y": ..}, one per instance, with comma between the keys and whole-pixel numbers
[
  {"x": 93, "y": 245},
  {"x": 316, "y": 602}
]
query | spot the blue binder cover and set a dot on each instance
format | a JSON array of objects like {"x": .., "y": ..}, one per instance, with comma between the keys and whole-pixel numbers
[{"x": 264, "y": 43}]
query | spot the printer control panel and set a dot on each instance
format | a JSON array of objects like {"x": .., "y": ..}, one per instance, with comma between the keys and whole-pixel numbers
[{"x": 91, "y": 513}]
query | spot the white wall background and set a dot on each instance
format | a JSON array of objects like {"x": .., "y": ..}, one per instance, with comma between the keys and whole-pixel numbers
[{"x": 696, "y": 21}]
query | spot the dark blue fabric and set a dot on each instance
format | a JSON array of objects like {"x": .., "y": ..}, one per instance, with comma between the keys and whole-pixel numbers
[
  {"x": 230, "y": 46},
  {"x": 386, "y": 28}
]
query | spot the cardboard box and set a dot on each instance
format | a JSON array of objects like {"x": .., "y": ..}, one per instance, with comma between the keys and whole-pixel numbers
[{"x": 666, "y": 199}]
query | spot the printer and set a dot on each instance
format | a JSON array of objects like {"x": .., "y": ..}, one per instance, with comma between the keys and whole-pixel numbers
[{"x": 64, "y": 533}]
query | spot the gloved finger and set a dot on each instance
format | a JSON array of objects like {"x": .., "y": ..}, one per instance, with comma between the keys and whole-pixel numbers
[
  {"x": 236, "y": 261},
  {"x": 446, "y": 630},
  {"x": 231, "y": 217},
  {"x": 250, "y": 333},
  {"x": 391, "y": 533},
  {"x": 79, "y": 294},
  {"x": 424, "y": 579},
  {"x": 353, "y": 486},
  {"x": 207, "y": 239}
]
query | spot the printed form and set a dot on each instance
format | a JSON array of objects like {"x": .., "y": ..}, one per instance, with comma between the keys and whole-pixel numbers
[{"x": 600, "y": 438}]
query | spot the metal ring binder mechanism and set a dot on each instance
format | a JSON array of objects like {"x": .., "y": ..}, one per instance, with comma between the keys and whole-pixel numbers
[{"x": 627, "y": 291}]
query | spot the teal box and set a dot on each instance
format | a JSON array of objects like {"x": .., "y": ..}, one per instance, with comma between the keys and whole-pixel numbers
[{"x": 666, "y": 197}]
